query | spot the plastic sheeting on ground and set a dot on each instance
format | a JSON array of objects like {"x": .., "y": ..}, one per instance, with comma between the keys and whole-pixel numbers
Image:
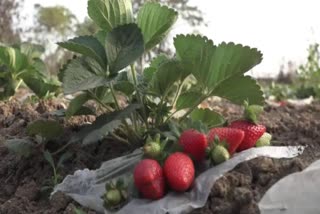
[
  {"x": 86, "y": 186},
  {"x": 297, "y": 193}
]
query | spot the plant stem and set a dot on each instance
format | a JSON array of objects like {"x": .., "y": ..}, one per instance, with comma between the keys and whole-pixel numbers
[
  {"x": 134, "y": 75},
  {"x": 99, "y": 101},
  {"x": 55, "y": 177},
  {"x": 175, "y": 100},
  {"x": 120, "y": 139},
  {"x": 178, "y": 94},
  {"x": 135, "y": 82},
  {"x": 18, "y": 85},
  {"x": 124, "y": 121},
  {"x": 201, "y": 99},
  {"x": 171, "y": 115},
  {"x": 62, "y": 148},
  {"x": 157, "y": 118},
  {"x": 114, "y": 97},
  {"x": 134, "y": 121}
]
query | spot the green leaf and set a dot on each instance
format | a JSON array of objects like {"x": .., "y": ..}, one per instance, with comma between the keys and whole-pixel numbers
[
  {"x": 7, "y": 86},
  {"x": 33, "y": 51},
  {"x": 64, "y": 157},
  {"x": 21, "y": 147},
  {"x": 84, "y": 110},
  {"x": 160, "y": 59},
  {"x": 76, "y": 104},
  {"x": 125, "y": 87},
  {"x": 103, "y": 125},
  {"x": 252, "y": 112},
  {"x": 188, "y": 99},
  {"x": 13, "y": 58},
  {"x": 207, "y": 116},
  {"x": 148, "y": 74},
  {"x": 101, "y": 35},
  {"x": 40, "y": 66},
  {"x": 47, "y": 155},
  {"x": 166, "y": 75},
  {"x": 154, "y": 65},
  {"x": 48, "y": 129},
  {"x": 87, "y": 46},
  {"x": 79, "y": 76},
  {"x": 79, "y": 211},
  {"x": 109, "y": 14},
  {"x": 124, "y": 45},
  {"x": 123, "y": 83},
  {"x": 104, "y": 94},
  {"x": 155, "y": 22},
  {"x": 38, "y": 84},
  {"x": 218, "y": 66},
  {"x": 239, "y": 89}
]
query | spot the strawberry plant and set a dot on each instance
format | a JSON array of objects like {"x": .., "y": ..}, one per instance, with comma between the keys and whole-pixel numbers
[
  {"x": 105, "y": 71},
  {"x": 41, "y": 133},
  {"x": 44, "y": 133},
  {"x": 22, "y": 64},
  {"x": 309, "y": 74}
]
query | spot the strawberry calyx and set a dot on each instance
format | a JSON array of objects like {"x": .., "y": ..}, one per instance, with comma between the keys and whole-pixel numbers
[
  {"x": 216, "y": 141},
  {"x": 116, "y": 194},
  {"x": 252, "y": 112}
]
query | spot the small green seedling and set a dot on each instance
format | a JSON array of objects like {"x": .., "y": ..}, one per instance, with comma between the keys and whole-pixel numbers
[
  {"x": 23, "y": 65},
  {"x": 56, "y": 178}
]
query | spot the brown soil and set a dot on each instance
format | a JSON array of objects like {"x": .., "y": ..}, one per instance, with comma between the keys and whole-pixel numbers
[{"x": 21, "y": 179}]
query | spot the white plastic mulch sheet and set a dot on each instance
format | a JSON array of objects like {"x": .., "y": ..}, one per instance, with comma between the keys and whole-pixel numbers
[
  {"x": 297, "y": 193},
  {"x": 86, "y": 187}
]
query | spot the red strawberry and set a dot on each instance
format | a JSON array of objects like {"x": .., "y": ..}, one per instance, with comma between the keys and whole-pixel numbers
[
  {"x": 233, "y": 137},
  {"x": 179, "y": 171},
  {"x": 149, "y": 179},
  {"x": 194, "y": 143},
  {"x": 154, "y": 190},
  {"x": 252, "y": 132}
]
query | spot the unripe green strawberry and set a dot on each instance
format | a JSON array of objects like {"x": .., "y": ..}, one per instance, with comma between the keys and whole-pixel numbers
[
  {"x": 116, "y": 194},
  {"x": 219, "y": 154},
  {"x": 152, "y": 150},
  {"x": 264, "y": 140},
  {"x": 113, "y": 197}
]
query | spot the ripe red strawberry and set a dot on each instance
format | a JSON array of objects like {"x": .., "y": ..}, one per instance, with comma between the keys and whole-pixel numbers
[
  {"x": 179, "y": 171},
  {"x": 154, "y": 190},
  {"x": 233, "y": 137},
  {"x": 194, "y": 143},
  {"x": 252, "y": 132},
  {"x": 149, "y": 179}
]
